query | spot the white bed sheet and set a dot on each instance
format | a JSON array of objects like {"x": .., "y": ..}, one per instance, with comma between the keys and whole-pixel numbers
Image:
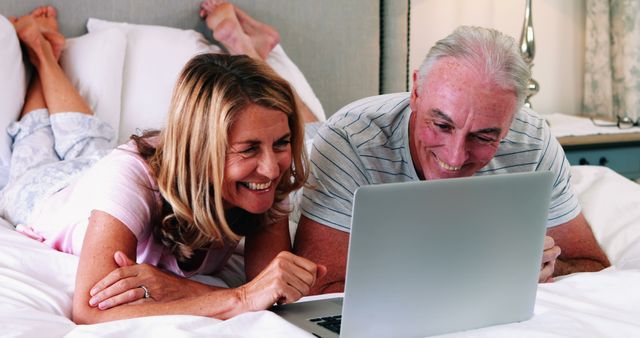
[{"x": 37, "y": 285}]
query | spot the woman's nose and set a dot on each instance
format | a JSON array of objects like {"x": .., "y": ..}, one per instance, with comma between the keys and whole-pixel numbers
[{"x": 268, "y": 165}]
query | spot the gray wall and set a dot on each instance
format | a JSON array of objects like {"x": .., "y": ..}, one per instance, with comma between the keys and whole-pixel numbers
[{"x": 335, "y": 43}]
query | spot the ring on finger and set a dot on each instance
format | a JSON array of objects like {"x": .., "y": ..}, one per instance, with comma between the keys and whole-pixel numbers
[{"x": 146, "y": 292}]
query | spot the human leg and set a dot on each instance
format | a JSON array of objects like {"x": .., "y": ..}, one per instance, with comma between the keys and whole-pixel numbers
[
  {"x": 241, "y": 34},
  {"x": 59, "y": 94},
  {"x": 37, "y": 171},
  {"x": 34, "y": 99},
  {"x": 76, "y": 132},
  {"x": 263, "y": 37},
  {"x": 222, "y": 20},
  {"x": 33, "y": 142},
  {"x": 37, "y": 167},
  {"x": 47, "y": 19}
]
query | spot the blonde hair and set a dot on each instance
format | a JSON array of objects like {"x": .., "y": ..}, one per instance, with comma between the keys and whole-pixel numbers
[{"x": 189, "y": 160}]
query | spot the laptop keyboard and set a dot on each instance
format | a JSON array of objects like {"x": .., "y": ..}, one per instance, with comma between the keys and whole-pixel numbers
[{"x": 330, "y": 323}]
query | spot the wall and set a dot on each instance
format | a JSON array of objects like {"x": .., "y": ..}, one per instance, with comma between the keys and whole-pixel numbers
[{"x": 559, "y": 36}]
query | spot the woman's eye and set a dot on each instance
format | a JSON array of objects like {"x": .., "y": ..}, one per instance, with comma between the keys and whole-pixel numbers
[
  {"x": 282, "y": 143},
  {"x": 249, "y": 150}
]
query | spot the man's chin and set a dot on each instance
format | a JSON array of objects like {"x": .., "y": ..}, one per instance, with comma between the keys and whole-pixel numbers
[{"x": 442, "y": 174}]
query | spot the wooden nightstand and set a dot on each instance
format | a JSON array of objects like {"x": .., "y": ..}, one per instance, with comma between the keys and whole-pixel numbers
[{"x": 593, "y": 145}]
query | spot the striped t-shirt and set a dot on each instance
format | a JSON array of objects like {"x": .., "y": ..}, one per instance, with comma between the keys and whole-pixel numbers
[{"x": 367, "y": 142}]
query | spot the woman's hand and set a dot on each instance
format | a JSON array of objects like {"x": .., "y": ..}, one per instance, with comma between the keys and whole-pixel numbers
[
  {"x": 123, "y": 285},
  {"x": 287, "y": 278}
]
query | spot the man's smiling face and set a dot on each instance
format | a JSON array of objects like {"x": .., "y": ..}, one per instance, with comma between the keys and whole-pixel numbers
[{"x": 458, "y": 119}]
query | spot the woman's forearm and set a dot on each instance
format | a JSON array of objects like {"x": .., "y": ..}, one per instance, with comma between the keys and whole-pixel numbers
[{"x": 219, "y": 303}]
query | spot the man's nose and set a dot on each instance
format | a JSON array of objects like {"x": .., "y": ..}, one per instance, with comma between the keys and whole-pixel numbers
[{"x": 458, "y": 154}]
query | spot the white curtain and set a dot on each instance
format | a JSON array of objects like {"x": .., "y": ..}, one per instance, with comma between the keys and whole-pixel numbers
[{"x": 612, "y": 58}]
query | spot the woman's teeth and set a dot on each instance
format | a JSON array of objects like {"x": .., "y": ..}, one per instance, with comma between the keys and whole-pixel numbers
[{"x": 257, "y": 186}]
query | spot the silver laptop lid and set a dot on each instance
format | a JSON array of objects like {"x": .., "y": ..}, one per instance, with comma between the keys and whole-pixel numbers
[{"x": 439, "y": 256}]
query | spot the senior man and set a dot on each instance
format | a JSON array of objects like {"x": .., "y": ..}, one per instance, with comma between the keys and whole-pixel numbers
[{"x": 463, "y": 117}]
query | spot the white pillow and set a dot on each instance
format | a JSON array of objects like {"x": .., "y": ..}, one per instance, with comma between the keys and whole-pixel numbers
[
  {"x": 611, "y": 205},
  {"x": 281, "y": 64},
  {"x": 13, "y": 85},
  {"x": 155, "y": 57},
  {"x": 94, "y": 63}
]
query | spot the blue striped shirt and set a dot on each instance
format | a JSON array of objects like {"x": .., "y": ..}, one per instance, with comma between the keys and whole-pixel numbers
[{"x": 367, "y": 142}]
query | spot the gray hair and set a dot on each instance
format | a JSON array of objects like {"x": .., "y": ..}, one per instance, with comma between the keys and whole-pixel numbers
[{"x": 494, "y": 53}]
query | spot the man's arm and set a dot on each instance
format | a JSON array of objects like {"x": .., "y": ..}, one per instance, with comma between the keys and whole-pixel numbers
[
  {"x": 262, "y": 247},
  {"x": 580, "y": 250},
  {"x": 323, "y": 245}
]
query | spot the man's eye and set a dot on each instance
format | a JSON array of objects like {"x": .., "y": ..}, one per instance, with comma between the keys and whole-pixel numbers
[
  {"x": 485, "y": 139},
  {"x": 442, "y": 126}
]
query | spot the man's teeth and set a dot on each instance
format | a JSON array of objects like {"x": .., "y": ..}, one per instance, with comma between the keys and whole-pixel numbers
[
  {"x": 257, "y": 186},
  {"x": 446, "y": 166}
]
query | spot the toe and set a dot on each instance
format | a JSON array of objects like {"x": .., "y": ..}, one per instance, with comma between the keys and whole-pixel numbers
[
  {"x": 38, "y": 12},
  {"x": 206, "y": 6},
  {"x": 51, "y": 12}
]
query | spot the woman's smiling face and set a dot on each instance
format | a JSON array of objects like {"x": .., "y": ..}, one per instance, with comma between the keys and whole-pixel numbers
[{"x": 258, "y": 155}]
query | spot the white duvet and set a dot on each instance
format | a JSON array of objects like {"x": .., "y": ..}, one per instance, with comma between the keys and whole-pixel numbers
[{"x": 36, "y": 286}]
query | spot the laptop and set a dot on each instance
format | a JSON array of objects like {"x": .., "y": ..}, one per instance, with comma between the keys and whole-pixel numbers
[{"x": 433, "y": 257}]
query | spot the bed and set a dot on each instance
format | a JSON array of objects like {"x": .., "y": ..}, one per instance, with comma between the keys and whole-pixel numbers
[
  {"x": 37, "y": 286},
  {"x": 119, "y": 66}
]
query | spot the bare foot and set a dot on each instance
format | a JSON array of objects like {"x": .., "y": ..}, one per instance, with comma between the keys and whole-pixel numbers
[
  {"x": 229, "y": 33},
  {"x": 46, "y": 17},
  {"x": 264, "y": 37},
  {"x": 30, "y": 35},
  {"x": 207, "y": 6},
  {"x": 222, "y": 20}
]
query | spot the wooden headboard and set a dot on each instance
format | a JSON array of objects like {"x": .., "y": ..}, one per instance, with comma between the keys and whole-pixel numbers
[{"x": 337, "y": 44}]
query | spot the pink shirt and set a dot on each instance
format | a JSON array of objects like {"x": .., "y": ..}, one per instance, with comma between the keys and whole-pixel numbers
[{"x": 121, "y": 185}]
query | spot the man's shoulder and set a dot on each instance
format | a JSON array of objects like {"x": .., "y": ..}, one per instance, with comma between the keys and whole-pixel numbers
[
  {"x": 527, "y": 128},
  {"x": 370, "y": 117},
  {"x": 369, "y": 108}
]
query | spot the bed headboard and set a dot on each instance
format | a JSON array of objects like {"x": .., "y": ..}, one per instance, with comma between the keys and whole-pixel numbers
[{"x": 337, "y": 44}]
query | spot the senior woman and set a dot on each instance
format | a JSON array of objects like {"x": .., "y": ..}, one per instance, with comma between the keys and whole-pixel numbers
[{"x": 176, "y": 200}]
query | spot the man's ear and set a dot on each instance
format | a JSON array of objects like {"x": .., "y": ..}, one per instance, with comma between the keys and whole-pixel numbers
[{"x": 414, "y": 90}]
